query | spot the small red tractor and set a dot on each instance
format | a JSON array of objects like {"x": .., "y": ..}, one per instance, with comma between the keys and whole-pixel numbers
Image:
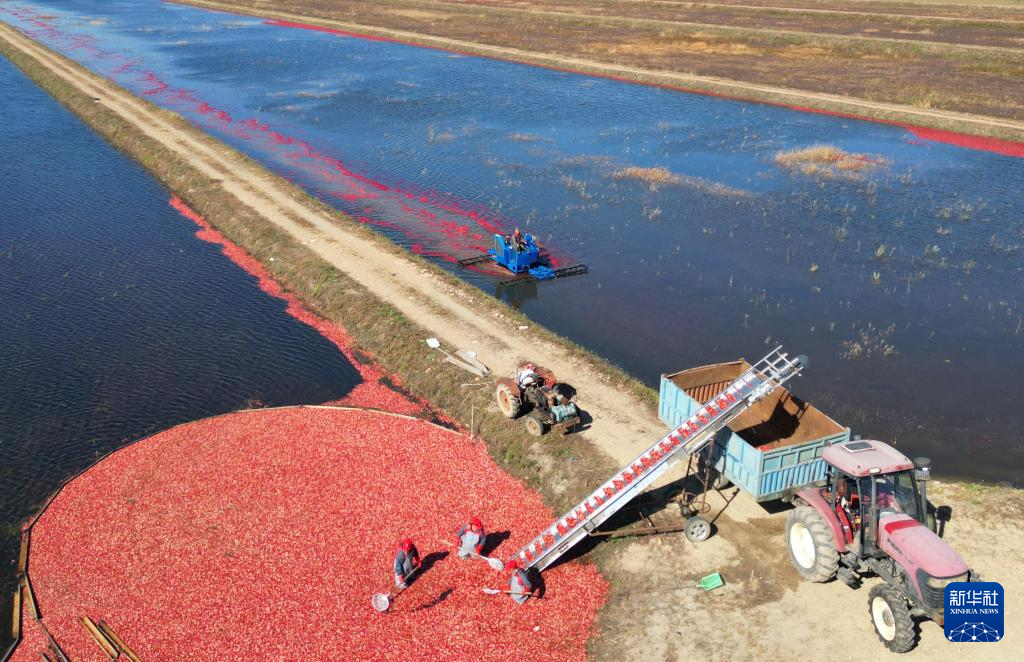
[
  {"x": 872, "y": 517},
  {"x": 535, "y": 388}
]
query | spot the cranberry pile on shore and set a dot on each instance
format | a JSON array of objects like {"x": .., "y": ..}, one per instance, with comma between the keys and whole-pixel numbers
[{"x": 264, "y": 534}]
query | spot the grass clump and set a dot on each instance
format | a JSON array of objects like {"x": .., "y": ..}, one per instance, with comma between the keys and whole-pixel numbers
[
  {"x": 827, "y": 162},
  {"x": 653, "y": 177}
]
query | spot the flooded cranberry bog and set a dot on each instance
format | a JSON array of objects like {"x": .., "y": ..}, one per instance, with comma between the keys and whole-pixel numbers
[{"x": 712, "y": 227}]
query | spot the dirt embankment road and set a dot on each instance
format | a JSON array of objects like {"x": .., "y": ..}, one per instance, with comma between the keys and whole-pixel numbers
[
  {"x": 958, "y": 68},
  {"x": 654, "y": 612}
]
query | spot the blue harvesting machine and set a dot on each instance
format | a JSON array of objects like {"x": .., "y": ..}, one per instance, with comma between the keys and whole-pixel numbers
[{"x": 523, "y": 260}]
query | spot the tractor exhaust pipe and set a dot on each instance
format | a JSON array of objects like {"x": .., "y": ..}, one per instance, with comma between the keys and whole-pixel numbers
[{"x": 923, "y": 473}]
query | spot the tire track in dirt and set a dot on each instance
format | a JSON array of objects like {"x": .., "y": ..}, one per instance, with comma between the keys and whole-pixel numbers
[{"x": 622, "y": 424}]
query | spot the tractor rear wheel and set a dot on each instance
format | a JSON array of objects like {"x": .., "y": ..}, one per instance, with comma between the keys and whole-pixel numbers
[
  {"x": 534, "y": 425},
  {"x": 508, "y": 401},
  {"x": 891, "y": 617},
  {"x": 812, "y": 547}
]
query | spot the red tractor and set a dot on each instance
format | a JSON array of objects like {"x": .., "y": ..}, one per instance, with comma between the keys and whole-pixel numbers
[
  {"x": 872, "y": 517},
  {"x": 533, "y": 387}
]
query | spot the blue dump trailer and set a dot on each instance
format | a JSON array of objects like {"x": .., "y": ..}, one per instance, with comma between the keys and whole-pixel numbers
[{"x": 768, "y": 450}]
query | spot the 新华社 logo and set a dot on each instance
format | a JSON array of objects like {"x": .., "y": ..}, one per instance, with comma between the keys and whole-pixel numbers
[{"x": 974, "y": 611}]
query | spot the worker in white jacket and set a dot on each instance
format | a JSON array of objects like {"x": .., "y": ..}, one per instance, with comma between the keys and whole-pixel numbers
[
  {"x": 471, "y": 538},
  {"x": 526, "y": 375},
  {"x": 519, "y": 583}
]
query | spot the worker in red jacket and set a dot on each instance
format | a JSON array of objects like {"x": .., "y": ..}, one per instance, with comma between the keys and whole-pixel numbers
[
  {"x": 471, "y": 538},
  {"x": 519, "y": 583},
  {"x": 407, "y": 561},
  {"x": 517, "y": 242}
]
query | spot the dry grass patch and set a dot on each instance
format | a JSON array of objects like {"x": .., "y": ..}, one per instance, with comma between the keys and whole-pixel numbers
[
  {"x": 661, "y": 47},
  {"x": 657, "y": 177},
  {"x": 653, "y": 177},
  {"x": 805, "y": 52},
  {"x": 828, "y": 161},
  {"x": 418, "y": 14}
]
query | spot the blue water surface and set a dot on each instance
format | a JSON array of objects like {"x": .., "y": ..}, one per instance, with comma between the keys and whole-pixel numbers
[
  {"x": 901, "y": 280},
  {"x": 117, "y": 320}
]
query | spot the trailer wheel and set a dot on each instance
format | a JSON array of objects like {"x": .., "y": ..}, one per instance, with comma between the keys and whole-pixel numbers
[
  {"x": 891, "y": 617},
  {"x": 508, "y": 401},
  {"x": 716, "y": 479},
  {"x": 534, "y": 426},
  {"x": 812, "y": 547},
  {"x": 697, "y": 529}
]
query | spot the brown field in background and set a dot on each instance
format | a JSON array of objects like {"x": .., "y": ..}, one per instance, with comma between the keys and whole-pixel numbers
[{"x": 966, "y": 57}]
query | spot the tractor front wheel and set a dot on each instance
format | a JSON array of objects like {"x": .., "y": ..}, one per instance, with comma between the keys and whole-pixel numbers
[
  {"x": 812, "y": 547},
  {"x": 891, "y": 617},
  {"x": 534, "y": 426},
  {"x": 508, "y": 400}
]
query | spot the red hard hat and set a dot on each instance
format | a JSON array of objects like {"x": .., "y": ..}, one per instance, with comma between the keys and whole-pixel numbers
[
  {"x": 477, "y": 524},
  {"x": 406, "y": 545}
]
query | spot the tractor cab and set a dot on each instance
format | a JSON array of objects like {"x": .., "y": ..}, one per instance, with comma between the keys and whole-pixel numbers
[
  {"x": 872, "y": 517},
  {"x": 868, "y": 481}
]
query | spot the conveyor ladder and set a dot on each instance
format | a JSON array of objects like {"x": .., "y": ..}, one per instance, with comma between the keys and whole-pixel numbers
[{"x": 692, "y": 435}]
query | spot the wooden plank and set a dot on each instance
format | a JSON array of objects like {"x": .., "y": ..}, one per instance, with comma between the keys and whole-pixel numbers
[
  {"x": 57, "y": 651},
  {"x": 465, "y": 366},
  {"x": 23, "y": 555},
  {"x": 100, "y": 639},
  {"x": 636, "y": 531},
  {"x": 123, "y": 647},
  {"x": 472, "y": 360},
  {"x": 16, "y": 618},
  {"x": 29, "y": 598}
]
